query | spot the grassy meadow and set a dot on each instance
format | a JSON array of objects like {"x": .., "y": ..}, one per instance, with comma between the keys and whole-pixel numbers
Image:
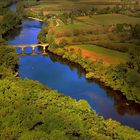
[
  {"x": 98, "y": 53},
  {"x": 109, "y": 19}
]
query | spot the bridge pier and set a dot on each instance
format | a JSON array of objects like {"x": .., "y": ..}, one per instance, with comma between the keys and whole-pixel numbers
[
  {"x": 44, "y": 50},
  {"x": 22, "y": 50},
  {"x": 33, "y": 49}
]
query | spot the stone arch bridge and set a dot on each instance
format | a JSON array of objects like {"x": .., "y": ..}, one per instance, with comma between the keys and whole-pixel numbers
[{"x": 33, "y": 46}]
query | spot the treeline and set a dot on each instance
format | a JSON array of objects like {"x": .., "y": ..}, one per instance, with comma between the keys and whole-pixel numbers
[
  {"x": 22, "y": 4},
  {"x": 10, "y": 20},
  {"x": 6, "y": 3},
  {"x": 29, "y": 110},
  {"x": 72, "y": 14}
]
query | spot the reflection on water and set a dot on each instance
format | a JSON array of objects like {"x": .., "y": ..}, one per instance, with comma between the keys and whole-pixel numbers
[
  {"x": 38, "y": 50},
  {"x": 27, "y": 34},
  {"x": 12, "y": 33},
  {"x": 122, "y": 105}
]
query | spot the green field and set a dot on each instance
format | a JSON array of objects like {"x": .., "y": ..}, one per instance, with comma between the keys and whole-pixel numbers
[
  {"x": 109, "y": 19},
  {"x": 78, "y": 25},
  {"x": 111, "y": 56}
]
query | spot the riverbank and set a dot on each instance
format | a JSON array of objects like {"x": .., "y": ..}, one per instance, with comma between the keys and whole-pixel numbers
[
  {"x": 33, "y": 18},
  {"x": 96, "y": 69}
]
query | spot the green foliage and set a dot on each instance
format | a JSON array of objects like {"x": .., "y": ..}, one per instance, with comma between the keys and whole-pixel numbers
[
  {"x": 11, "y": 20},
  {"x": 5, "y": 72},
  {"x": 40, "y": 113},
  {"x": 50, "y": 39},
  {"x": 8, "y": 57},
  {"x": 8, "y": 60},
  {"x": 90, "y": 75},
  {"x": 134, "y": 59},
  {"x": 42, "y": 35},
  {"x": 22, "y": 4},
  {"x": 64, "y": 18},
  {"x": 136, "y": 31},
  {"x": 5, "y": 3},
  {"x": 2, "y": 41}
]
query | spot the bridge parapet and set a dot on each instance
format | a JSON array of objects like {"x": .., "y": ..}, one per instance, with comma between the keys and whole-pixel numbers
[{"x": 30, "y": 45}]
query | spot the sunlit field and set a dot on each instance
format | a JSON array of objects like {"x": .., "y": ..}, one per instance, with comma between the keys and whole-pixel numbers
[{"x": 109, "y": 19}]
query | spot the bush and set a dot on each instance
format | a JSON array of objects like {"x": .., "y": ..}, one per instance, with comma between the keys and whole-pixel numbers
[
  {"x": 61, "y": 41},
  {"x": 8, "y": 57},
  {"x": 90, "y": 75}
]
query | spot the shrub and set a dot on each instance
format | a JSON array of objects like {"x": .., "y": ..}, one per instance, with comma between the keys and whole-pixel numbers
[{"x": 90, "y": 75}]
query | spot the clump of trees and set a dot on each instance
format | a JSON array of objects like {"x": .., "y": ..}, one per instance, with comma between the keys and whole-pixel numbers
[
  {"x": 68, "y": 17},
  {"x": 6, "y": 3},
  {"x": 134, "y": 30},
  {"x": 42, "y": 35},
  {"x": 8, "y": 61},
  {"x": 134, "y": 59},
  {"x": 10, "y": 21}
]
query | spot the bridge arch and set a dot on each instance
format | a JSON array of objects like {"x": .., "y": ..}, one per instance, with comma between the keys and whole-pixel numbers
[{"x": 33, "y": 46}]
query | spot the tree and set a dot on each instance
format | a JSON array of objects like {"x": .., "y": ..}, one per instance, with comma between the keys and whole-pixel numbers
[
  {"x": 8, "y": 57},
  {"x": 64, "y": 17},
  {"x": 79, "y": 54},
  {"x": 10, "y": 21},
  {"x": 134, "y": 59},
  {"x": 72, "y": 17},
  {"x": 136, "y": 31}
]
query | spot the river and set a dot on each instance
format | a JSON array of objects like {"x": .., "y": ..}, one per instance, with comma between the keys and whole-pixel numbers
[{"x": 69, "y": 79}]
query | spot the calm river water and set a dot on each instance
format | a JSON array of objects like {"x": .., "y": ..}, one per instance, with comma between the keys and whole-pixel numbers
[{"x": 70, "y": 80}]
